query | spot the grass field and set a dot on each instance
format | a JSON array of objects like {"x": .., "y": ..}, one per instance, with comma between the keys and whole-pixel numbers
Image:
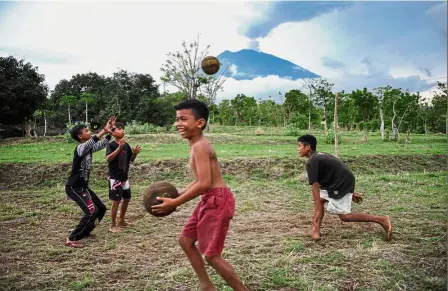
[{"x": 266, "y": 242}]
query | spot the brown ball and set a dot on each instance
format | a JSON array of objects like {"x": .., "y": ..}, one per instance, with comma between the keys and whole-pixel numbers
[
  {"x": 210, "y": 65},
  {"x": 158, "y": 189}
]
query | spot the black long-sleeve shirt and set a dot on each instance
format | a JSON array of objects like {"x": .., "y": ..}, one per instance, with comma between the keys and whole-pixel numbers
[{"x": 82, "y": 161}]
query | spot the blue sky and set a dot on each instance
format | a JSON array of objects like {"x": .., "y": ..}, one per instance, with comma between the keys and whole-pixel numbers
[{"x": 353, "y": 44}]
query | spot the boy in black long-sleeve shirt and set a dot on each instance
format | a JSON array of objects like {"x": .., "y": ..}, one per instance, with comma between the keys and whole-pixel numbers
[{"x": 77, "y": 186}]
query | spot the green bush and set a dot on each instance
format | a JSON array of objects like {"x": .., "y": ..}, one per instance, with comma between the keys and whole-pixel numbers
[
  {"x": 329, "y": 137},
  {"x": 137, "y": 128},
  {"x": 292, "y": 129}
]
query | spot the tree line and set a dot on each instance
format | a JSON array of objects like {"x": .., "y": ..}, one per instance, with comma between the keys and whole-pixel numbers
[{"x": 25, "y": 99}]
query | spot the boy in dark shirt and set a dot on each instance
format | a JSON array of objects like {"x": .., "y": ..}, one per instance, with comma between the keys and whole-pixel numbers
[
  {"x": 333, "y": 183},
  {"x": 119, "y": 155},
  {"x": 77, "y": 186}
]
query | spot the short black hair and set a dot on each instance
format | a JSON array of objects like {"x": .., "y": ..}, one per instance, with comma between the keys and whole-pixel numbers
[
  {"x": 118, "y": 125},
  {"x": 199, "y": 108},
  {"x": 308, "y": 139},
  {"x": 76, "y": 130}
]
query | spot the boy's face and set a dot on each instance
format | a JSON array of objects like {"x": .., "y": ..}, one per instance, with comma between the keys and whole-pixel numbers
[
  {"x": 85, "y": 134},
  {"x": 118, "y": 132},
  {"x": 187, "y": 124},
  {"x": 303, "y": 149}
]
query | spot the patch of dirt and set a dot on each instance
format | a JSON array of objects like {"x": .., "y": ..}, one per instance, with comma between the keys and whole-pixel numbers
[{"x": 16, "y": 175}]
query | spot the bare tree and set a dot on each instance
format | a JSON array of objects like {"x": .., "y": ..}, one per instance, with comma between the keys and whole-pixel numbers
[
  {"x": 308, "y": 86},
  {"x": 183, "y": 69},
  {"x": 212, "y": 86},
  {"x": 380, "y": 96},
  {"x": 336, "y": 140}
]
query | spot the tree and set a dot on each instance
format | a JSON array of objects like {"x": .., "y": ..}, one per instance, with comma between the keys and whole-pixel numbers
[
  {"x": 77, "y": 85},
  {"x": 87, "y": 98},
  {"x": 269, "y": 113},
  {"x": 296, "y": 102},
  {"x": 440, "y": 107},
  {"x": 319, "y": 92},
  {"x": 322, "y": 95},
  {"x": 69, "y": 101},
  {"x": 336, "y": 139},
  {"x": 380, "y": 96},
  {"x": 366, "y": 104},
  {"x": 183, "y": 69},
  {"x": 212, "y": 86},
  {"x": 22, "y": 91}
]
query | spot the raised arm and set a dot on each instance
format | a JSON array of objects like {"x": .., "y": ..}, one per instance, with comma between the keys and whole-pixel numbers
[
  {"x": 110, "y": 157},
  {"x": 84, "y": 148},
  {"x": 101, "y": 144}
]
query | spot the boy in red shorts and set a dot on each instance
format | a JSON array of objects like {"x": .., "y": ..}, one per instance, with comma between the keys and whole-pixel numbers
[{"x": 210, "y": 220}]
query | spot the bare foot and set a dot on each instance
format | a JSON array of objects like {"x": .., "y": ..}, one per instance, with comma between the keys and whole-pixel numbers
[
  {"x": 387, "y": 225},
  {"x": 311, "y": 233},
  {"x": 115, "y": 229},
  {"x": 124, "y": 223},
  {"x": 74, "y": 244},
  {"x": 315, "y": 236},
  {"x": 207, "y": 288}
]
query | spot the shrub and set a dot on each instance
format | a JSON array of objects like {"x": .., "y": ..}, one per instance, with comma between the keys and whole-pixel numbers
[
  {"x": 329, "y": 137},
  {"x": 137, "y": 128}
]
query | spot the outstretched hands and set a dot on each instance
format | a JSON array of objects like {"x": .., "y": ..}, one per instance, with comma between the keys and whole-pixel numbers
[{"x": 110, "y": 124}]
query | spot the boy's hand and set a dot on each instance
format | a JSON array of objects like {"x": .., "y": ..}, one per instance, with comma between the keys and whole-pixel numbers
[
  {"x": 167, "y": 205},
  {"x": 122, "y": 142},
  {"x": 357, "y": 198},
  {"x": 110, "y": 123},
  {"x": 137, "y": 149}
]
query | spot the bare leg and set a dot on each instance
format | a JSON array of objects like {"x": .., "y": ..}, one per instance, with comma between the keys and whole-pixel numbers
[
  {"x": 113, "y": 217},
  {"x": 196, "y": 262},
  {"x": 227, "y": 272},
  {"x": 124, "y": 207},
  {"x": 384, "y": 221}
]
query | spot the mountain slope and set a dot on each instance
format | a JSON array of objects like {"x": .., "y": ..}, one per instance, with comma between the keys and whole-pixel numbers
[{"x": 248, "y": 64}]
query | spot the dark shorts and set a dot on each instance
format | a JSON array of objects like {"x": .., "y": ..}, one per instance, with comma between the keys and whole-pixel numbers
[{"x": 119, "y": 190}]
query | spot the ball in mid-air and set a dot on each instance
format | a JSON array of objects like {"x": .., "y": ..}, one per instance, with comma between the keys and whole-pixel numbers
[{"x": 210, "y": 65}]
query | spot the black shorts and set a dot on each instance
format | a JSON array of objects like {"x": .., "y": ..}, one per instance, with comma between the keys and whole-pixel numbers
[{"x": 119, "y": 190}]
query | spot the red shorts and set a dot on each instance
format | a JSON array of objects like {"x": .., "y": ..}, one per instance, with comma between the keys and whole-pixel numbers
[{"x": 210, "y": 221}]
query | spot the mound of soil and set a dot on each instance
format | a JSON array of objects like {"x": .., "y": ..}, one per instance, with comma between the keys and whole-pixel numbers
[{"x": 35, "y": 175}]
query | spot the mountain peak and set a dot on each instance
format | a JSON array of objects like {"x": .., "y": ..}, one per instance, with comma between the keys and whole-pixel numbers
[{"x": 248, "y": 64}]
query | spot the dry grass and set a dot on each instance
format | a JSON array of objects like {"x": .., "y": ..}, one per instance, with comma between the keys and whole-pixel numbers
[{"x": 266, "y": 242}]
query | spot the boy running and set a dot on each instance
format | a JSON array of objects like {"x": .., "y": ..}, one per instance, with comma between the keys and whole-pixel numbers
[{"x": 210, "y": 221}]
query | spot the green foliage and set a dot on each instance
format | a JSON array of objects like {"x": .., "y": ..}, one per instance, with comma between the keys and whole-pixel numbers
[
  {"x": 330, "y": 137},
  {"x": 137, "y": 128},
  {"x": 22, "y": 92},
  {"x": 135, "y": 97},
  {"x": 292, "y": 129}
]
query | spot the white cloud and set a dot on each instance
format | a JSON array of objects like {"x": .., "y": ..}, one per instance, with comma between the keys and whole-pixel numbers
[
  {"x": 260, "y": 88},
  {"x": 133, "y": 36},
  {"x": 233, "y": 69},
  {"x": 102, "y": 37}
]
